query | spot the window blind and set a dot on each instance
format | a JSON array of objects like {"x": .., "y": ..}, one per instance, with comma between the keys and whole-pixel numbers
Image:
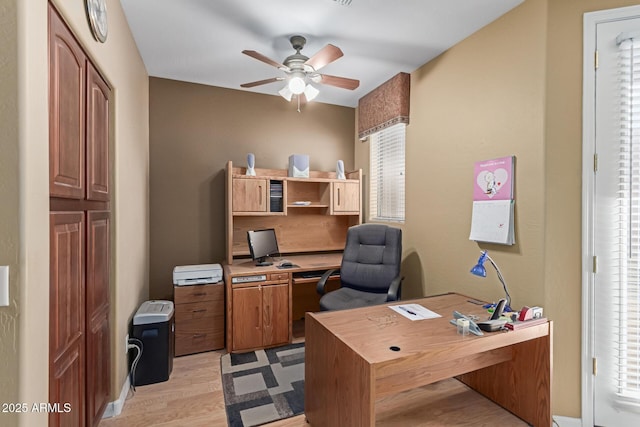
[
  {"x": 626, "y": 292},
  {"x": 386, "y": 181}
]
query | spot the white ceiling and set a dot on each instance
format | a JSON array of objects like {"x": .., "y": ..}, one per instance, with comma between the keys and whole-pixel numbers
[{"x": 201, "y": 41}]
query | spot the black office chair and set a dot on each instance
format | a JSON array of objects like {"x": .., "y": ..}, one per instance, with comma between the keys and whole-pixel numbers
[{"x": 370, "y": 269}]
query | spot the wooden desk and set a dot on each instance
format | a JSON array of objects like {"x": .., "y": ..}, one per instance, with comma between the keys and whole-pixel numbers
[
  {"x": 349, "y": 361},
  {"x": 259, "y": 300}
]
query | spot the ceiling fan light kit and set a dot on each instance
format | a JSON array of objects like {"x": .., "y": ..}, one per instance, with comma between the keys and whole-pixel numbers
[
  {"x": 301, "y": 71},
  {"x": 310, "y": 92},
  {"x": 286, "y": 93},
  {"x": 297, "y": 84}
]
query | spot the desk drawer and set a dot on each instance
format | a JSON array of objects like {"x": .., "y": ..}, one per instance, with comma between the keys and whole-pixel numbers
[
  {"x": 195, "y": 293},
  {"x": 279, "y": 277},
  {"x": 198, "y": 341},
  {"x": 197, "y": 335},
  {"x": 199, "y": 310}
]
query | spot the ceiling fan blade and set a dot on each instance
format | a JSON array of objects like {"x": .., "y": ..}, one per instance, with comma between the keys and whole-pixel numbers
[
  {"x": 324, "y": 56},
  {"x": 262, "y": 82},
  {"x": 261, "y": 57},
  {"x": 341, "y": 82}
]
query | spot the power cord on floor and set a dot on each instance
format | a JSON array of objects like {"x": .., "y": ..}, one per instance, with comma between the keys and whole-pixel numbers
[{"x": 134, "y": 344}]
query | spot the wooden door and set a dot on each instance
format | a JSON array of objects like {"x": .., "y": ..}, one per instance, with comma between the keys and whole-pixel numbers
[
  {"x": 346, "y": 196},
  {"x": 79, "y": 360},
  {"x": 247, "y": 318},
  {"x": 98, "y": 96},
  {"x": 66, "y": 111},
  {"x": 275, "y": 317},
  {"x": 66, "y": 318},
  {"x": 97, "y": 318},
  {"x": 249, "y": 195}
]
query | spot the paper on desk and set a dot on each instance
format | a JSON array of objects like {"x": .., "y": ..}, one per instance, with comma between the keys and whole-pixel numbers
[{"x": 414, "y": 311}]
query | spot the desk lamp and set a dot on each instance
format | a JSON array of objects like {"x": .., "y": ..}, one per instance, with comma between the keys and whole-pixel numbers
[{"x": 479, "y": 270}]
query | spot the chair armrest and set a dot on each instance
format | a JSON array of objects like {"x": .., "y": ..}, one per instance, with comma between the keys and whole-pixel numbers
[
  {"x": 394, "y": 289},
  {"x": 323, "y": 281}
]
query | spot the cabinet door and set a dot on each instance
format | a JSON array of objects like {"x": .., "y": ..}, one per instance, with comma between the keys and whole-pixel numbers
[
  {"x": 249, "y": 195},
  {"x": 97, "y": 306},
  {"x": 275, "y": 317},
  {"x": 346, "y": 197},
  {"x": 67, "y": 317},
  {"x": 247, "y": 318},
  {"x": 98, "y": 95},
  {"x": 66, "y": 111}
]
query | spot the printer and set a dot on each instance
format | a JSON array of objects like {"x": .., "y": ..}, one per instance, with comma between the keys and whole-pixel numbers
[{"x": 197, "y": 274}]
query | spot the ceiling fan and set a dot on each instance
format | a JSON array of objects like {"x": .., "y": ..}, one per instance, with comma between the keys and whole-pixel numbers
[{"x": 301, "y": 71}]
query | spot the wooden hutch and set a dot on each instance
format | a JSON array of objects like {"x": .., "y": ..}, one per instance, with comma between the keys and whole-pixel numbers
[{"x": 311, "y": 217}]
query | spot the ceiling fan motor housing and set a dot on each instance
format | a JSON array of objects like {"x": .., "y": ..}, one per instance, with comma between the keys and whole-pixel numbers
[
  {"x": 296, "y": 62},
  {"x": 298, "y": 42}
]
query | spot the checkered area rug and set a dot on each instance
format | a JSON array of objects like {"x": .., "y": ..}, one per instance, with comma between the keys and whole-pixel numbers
[{"x": 264, "y": 385}]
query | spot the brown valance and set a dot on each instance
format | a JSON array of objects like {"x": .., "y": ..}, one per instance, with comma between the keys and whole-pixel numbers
[{"x": 386, "y": 105}]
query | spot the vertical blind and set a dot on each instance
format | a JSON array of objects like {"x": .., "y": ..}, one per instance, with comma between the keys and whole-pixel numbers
[
  {"x": 386, "y": 198},
  {"x": 626, "y": 291}
]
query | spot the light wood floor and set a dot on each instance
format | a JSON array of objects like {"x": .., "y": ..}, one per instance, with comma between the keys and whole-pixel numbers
[{"x": 193, "y": 397}]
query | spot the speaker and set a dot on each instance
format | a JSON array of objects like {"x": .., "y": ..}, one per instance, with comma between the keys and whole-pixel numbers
[
  {"x": 340, "y": 170},
  {"x": 251, "y": 162},
  {"x": 299, "y": 165}
]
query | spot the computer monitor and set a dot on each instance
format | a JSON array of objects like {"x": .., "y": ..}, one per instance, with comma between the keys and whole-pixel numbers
[{"x": 262, "y": 243}]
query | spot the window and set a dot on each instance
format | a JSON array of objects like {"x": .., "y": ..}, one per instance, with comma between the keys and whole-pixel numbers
[
  {"x": 386, "y": 181},
  {"x": 627, "y": 290}
]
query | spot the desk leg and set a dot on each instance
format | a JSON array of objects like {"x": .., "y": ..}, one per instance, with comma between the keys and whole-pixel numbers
[
  {"x": 523, "y": 384},
  {"x": 338, "y": 387}
]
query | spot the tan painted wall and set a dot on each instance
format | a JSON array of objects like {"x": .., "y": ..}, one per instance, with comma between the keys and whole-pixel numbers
[
  {"x": 194, "y": 131},
  {"x": 514, "y": 87},
  {"x": 482, "y": 99},
  {"x": 24, "y": 117},
  {"x": 9, "y": 207},
  {"x": 563, "y": 172}
]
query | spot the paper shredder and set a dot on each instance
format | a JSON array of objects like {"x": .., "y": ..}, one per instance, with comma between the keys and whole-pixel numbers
[{"x": 153, "y": 325}]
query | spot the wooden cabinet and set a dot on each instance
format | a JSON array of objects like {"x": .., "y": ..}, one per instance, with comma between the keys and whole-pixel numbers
[
  {"x": 199, "y": 318},
  {"x": 309, "y": 214},
  {"x": 346, "y": 197},
  {"x": 260, "y": 306},
  {"x": 79, "y": 175},
  {"x": 250, "y": 195},
  {"x": 260, "y": 313}
]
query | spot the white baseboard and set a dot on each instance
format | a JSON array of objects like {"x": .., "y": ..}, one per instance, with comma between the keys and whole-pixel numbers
[
  {"x": 115, "y": 408},
  {"x": 567, "y": 421}
]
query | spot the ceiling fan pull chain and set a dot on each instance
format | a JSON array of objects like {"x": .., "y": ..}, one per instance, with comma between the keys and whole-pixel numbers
[{"x": 298, "y": 98}]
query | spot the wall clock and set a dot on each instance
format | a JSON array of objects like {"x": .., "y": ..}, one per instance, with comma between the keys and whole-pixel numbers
[{"x": 97, "y": 15}]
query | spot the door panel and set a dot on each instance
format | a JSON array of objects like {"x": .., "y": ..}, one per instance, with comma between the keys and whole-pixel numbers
[
  {"x": 66, "y": 112},
  {"x": 346, "y": 196},
  {"x": 66, "y": 326},
  {"x": 97, "y": 306},
  {"x": 98, "y": 94},
  {"x": 98, "y": 368},
  {"x": 247, "y": 318},
  {"x": 249, "y": 195},
  {"x": 275, "y": 303}
]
